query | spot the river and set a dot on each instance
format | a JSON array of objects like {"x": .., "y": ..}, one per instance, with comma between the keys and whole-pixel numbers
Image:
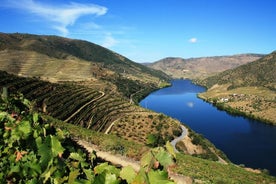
[{"x": 244, "y": 141}]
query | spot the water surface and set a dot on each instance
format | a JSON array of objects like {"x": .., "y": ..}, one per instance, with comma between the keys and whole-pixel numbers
[{"x": 244, "y": 141}]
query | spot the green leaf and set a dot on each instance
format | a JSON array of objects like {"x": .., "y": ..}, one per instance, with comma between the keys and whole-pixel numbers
[
  {"x": 26, "y": 102},
  {"x": 35, "y": 117},
  {"x": 47, "y": 173},
  {"x": 160, "y": 177},
  {"x": 24, "y": 129},
  {"x": 49, "y": 149},
  {"x": 164, "y": 158},
  {"x": 147, "y": 160},
  {"x": 56, "y": 146},
  {"x": 76, "y": 156},
  {"x": 170, "y": 149},
  {"x": 89, "y": 174},
  {"x": 3, "y": 115},
  {"x": 44, "y": 151},
  {"x": 106, "y": 178},
  {"x": 105, "y": 167},
  {"x": 128, "y": 174},
  {"x": 141, "y": 177},
  {"x": 73, "y": 176}
]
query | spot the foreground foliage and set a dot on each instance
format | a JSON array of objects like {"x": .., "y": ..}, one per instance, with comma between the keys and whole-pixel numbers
[{"x": 33, "y": 151}]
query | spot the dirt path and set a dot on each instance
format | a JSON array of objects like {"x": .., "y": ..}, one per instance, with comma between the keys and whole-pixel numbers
[
  {"x": 114, "y": 159},
  {"x": 124, "y": 161},
  {"x": 176, "y": 140}
]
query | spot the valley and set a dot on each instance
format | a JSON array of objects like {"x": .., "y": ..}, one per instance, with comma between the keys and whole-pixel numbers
[{"x": 94, "y": 94}]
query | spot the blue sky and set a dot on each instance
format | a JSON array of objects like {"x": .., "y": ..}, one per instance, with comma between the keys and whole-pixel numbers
[{"x": 149, "y": 30}]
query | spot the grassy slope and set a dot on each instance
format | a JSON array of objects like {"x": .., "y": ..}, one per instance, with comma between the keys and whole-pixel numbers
[{"x": 250, "y": 89}]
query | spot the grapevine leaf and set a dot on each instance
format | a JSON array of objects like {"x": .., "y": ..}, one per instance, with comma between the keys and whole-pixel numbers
[
  {"x": 164, "y": 158},
  {"x": 141, "y": 177},
  {"x": 56, "y": 146},
  {"x": 48, "y": 149},
  {"x": 14, "y": 169},
  {"x": 128, "y": 174},
  {"x": 26, "y": 102},
  {"x": 47, "y": 173},
  {"x": 170, "y": 149},
  {"x": 147, "y": 159},
  {"x": 76, "y": 156},
  {"x": 73, "y": 176},
  {"x": 24, "y": 129},
  {"x": 160, "y": 177},
  {"x": 105, "y": 167},
  {"x": 32, "y": 181},
  {"x": 3, "y": 115},
  {"x": 107, "y": 178},
  {"x": 35, "y": 117},
  {"x": 89, "y": 174},
  {"x": 44, "y": 151}
]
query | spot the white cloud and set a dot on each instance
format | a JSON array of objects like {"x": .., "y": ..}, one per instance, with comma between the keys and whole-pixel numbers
[
  {"x": 60, "y": 16},
  {"x": 109, "y": 41},
  {"x": 193, "y": 40}
]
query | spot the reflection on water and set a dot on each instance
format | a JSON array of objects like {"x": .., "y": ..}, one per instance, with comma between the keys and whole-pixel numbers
[{"x": 244, "y": 141}]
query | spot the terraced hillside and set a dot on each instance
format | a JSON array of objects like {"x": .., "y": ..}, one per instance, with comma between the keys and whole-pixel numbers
[
  {"x": 248, "y": 90},
  {"x": 106, "y": 112},
  {"x": 86, "y": 106}
]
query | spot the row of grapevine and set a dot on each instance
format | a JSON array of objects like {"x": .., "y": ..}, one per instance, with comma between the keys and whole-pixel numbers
[
  {"x": 80, "y": 105},
  {"x": 33, "y": 151}
]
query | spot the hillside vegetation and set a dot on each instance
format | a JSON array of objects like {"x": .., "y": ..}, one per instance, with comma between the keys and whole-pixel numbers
[
  {"x": 248, "y": 90},
  {"x": 200, "y": 68},
  {"x": 35, "y": 149}
]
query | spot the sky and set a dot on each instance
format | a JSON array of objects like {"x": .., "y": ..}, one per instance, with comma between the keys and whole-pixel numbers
[{"x": 149, "y": 30}]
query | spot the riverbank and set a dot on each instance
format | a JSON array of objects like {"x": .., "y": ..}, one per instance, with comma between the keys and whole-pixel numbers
[{"x": 252, "y": 102}]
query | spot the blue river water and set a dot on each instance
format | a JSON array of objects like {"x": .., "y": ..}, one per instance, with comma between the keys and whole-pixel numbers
[{"x": 244, "y": 141}]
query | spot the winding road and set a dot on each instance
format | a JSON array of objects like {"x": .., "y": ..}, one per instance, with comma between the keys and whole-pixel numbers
[{"x": 176, "y": 140}]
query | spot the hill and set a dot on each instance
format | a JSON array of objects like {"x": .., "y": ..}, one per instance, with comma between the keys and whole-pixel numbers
[
  {"x": 55, "y": 58},
  {"x": 199, "y": 68},
  {"x": 249, "y": 89}
]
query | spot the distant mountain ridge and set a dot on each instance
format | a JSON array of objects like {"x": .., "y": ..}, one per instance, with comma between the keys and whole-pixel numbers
[
  {"x": 258, "y": 73},
  {"x": 199, "y": 68}
]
